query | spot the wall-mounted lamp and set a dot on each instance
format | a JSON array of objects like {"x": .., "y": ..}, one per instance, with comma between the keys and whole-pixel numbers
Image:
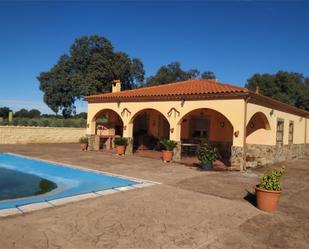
[
  {"x": 172, "y": 130},
  {"x": 236, "y": 133},
  {"x": 87, "y": 125},
  {"x": 272, "y": 112},
  {"x": 182, "y": 102},
  {"x": 124, "y": 127}
]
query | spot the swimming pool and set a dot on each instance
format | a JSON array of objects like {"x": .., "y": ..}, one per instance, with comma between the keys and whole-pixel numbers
[
  {"x": 15, "y": 184},
  {"x": 70, "y": 181}
]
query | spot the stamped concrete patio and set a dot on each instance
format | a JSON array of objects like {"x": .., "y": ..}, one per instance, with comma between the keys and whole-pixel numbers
[{"x": 190, "y": 209}]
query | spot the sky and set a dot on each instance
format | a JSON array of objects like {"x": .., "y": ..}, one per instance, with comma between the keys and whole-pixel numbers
[{"x": 234, "y": 39}]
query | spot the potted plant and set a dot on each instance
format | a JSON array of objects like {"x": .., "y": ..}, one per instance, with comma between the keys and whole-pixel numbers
[
  {"x": 269, "y": 190},
  {"x": 120, "y": 145},
  {"x": 83, "y": 141},
  {"x": 167, "y": 153},
  {"x": 207, "y": 155}
]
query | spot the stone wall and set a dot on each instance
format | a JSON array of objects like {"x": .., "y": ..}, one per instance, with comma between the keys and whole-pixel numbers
[
  {"x": 259, "y": 155},
  {"x": 27, "y": 135},
  {"x": 236, "y": 157}
]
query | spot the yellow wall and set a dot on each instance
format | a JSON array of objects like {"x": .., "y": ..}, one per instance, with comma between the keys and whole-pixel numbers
[
  {"x": 216, "y": 132},
  {"x": 307, "y": 131},
  {"x": 233, "y": 110},
  {"x": 26, "y": 135},
  {"x": 268, "y": 137}
]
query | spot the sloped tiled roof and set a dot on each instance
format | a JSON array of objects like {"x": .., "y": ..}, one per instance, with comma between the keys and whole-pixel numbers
[{"x": 192, "y": 87}]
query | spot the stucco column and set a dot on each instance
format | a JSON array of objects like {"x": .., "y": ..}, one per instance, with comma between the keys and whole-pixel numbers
[
  {"x": 237, "y": 150},
  {"x": 90, "y": 132},
  {"x": 128, "y": 133},
  {"x": 175, "y": 133}
]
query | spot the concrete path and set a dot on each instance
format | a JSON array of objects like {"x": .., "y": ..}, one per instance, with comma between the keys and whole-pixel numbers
[{"x": 191, "y": 209}]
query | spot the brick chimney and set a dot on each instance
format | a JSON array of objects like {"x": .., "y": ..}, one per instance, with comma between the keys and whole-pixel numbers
[{"x": 116, "y": 86}]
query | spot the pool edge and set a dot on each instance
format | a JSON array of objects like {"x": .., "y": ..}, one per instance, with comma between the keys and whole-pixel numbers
[{"x": 31, "y": 207}]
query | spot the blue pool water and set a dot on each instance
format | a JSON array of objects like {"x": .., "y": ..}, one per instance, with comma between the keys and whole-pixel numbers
[{"x": 70, "y": 181}]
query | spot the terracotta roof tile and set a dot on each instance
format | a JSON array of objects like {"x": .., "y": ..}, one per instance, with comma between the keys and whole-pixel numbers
[{"x": 183, "y": 88}]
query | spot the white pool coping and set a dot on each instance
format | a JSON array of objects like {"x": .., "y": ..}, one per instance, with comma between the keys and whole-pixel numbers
[{"x": 23, "y": 209}]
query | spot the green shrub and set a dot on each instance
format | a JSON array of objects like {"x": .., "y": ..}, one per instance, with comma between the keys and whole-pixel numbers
[
  {"x": 83, "y": 140},
  {"x": 120, "y": 141},
  {"x": 48, "y": 122},
  {"x": 168, "y": 144},
  {"x": 271, "y": 180},
  {"x": 207, "y": 154},
  {"x": 23, "y": 122},
  {"x": 32, "y": 122},
  {"x": 44, "y": 122}
]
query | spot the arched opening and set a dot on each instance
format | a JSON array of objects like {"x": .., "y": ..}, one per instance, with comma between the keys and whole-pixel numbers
[
  {"x": 257, "y": 129},
  {"x": 202, "y": 126},
  {"x": 108, "y": 125},
  {"x": 149, "y": 127}
]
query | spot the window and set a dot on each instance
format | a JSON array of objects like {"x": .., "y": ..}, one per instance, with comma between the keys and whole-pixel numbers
[
  {"x": 280, "y": 129},
  {"x": 200, "y": 128},
  {"x": 291, "y": 132}
]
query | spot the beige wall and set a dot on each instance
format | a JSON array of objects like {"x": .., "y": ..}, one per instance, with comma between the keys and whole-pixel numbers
[
  {"x": 24, "y": 135},
  {"x": 268, "y": 137},
  {"x": 220, "y": 128},
  {"x": 233, "y": 110},
  {"x": 307, "y": 130}
]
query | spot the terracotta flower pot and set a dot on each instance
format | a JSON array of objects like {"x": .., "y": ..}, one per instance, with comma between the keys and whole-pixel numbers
[
  {"x": 167, "y": 155},
  {"x": 267, "y": 200},
  {"x": 83, "y": 147},
  {"x": 120, "y": 149}
]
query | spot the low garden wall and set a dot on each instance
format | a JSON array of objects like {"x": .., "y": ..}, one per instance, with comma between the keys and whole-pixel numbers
[
  {"x": 259, "y": 155},
  {"x": 26, "y": 135}
]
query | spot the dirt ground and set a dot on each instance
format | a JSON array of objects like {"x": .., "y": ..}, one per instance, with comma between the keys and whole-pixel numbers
[{"x": 190, "y": 209}]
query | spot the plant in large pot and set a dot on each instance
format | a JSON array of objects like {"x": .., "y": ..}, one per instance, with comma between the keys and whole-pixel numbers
[
  {"x": 269, "y": 190},
  {"x": 120, "y": 145},
  {"x": 167, "y": 153},
  {"x": 83, "y": 143},
  {"x": 207, "y": 155}
]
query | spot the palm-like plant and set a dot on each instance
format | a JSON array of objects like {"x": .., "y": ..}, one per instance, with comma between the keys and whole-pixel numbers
[{"x": 168, "y": 144}]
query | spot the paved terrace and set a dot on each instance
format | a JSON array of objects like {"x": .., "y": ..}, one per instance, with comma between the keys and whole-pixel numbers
[{"x": 190, "y": 209}]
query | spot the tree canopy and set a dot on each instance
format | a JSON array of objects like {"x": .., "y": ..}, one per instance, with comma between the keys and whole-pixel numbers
[
  {"x": 90, "y": 67},
  {"x": 173, "y": 73},
  {"x": 24, "y": 113},
  {"x": 288, "y": 87},
  {"x": 4, "y": 112}
]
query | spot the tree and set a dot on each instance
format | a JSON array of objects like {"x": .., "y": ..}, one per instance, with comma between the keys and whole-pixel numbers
[
  {"x": 4, "y": 112},
  {"x": 81, "y": 115},
  {"x": 208, "y": 75},
  {"x": 288, "y": 87},
  {"x": 173, "y": 73},
  {"x": 34, "y": 113},
  {"x": 89, "y": 68},
  {"x": 22, "y": 113}
]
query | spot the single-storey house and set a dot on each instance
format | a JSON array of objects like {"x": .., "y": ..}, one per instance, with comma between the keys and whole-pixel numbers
[{"x": 246, "y": 127}]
